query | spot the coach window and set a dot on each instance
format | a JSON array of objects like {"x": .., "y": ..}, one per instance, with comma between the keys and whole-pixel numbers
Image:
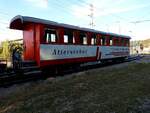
[
  {"x": 127, "y": 42},
  {"x": 101, "y": 40},
  {"x": 104, "y": 40},
  {"x": 83, "y": 38},
  {"x": 65, "y": 38},
  {"x": 68, "y": 36},
  {"x": 122, "y": 41},
  {"x": 117, "y": 42},
  {"x": 73, "y": 40},
  {"x": 110, "y": 41},
  {"x": 50, "y": 36},
  {"x": 93, "y": 39},
  {"x": 113, "y": 41}
]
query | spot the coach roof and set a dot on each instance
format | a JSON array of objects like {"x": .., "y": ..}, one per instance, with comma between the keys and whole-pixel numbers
[{"x": 19, "y": 21}]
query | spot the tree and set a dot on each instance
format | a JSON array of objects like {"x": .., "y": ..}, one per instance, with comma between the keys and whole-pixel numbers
[
  {"x": 7, "y": 48},
  {"x": 141, "y": 47}
]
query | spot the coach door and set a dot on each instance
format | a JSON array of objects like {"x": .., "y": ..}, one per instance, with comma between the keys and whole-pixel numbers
[{"x": 29, "y": 46}]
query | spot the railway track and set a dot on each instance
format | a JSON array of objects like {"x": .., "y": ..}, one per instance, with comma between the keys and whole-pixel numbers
[
  {"x": 21, "y": 76},
  {"x": 14, "y": 78},
  {"x": 28, "y": 71}
]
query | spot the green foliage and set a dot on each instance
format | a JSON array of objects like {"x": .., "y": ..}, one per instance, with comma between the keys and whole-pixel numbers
[
  {"x": 1, "y": 50},
  {"x": 142, "y": 43},
  {"x": 15, "y": 45},
  {"x": 7, "y": 48}
]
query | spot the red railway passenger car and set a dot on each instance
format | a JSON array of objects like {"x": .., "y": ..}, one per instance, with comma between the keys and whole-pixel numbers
[{"x": 50, "y": 43}]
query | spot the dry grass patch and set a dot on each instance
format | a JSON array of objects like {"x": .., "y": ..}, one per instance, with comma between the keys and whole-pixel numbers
[{"x": 102, "y": 91}]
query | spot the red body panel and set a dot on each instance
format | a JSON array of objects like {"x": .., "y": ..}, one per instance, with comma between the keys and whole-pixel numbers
[
  {"x": 32, "y": 35},
  {"x": 28, "y": 39},
  {"x": 67, "y": 61},
  {"x": 38, "y": 35}
]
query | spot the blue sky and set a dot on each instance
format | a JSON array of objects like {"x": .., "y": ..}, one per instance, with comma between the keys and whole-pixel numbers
[{"x": 117, "y": 16}]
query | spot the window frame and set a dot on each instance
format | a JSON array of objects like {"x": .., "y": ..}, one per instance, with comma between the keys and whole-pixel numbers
[
  {"x": 69, "y": 34},
  {"x": 48, "y": 33},
  {"x": 82, "y": 36}
]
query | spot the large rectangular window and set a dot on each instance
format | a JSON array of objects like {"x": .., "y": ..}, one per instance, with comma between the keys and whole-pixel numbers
[
  {"x": 93, "y": 39},
  {"x": 103, "y": 40},
  {"x": 110, "y": 41},
  {"x": 65, "y": 38},
  {"x": 50, "y": 36},
  {"x": 68, "y": 36},
  {"x": 83, "y": 38},
  {"x": 127, "y": 42},
  {"x": 117, "y": 42},
  {"x": 114, "y": 41},
  {"x": 122, "y": 42}
]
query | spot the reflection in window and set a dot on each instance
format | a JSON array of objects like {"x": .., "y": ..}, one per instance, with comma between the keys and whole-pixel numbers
[
  {"x": 104, "y": 40},
  {"x": 68, "y": 36},
  {"x": 93, "y": 39},
  {"x": 65, "y": 38},
  {"x": 111, "y": 43},
  {"x": 50, "y": 36},
  {"x": 84, "y": 40}
]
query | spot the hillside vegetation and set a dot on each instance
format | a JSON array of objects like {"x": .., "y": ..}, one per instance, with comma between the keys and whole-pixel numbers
[
  {"x": 106, "y": 90},
  {"x": 145, "y": 43}
]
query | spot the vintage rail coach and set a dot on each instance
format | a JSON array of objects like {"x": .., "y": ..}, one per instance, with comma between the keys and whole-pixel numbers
[{"x": 52, "y": 44}]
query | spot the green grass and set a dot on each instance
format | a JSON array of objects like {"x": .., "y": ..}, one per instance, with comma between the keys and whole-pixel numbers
[{"x": 96, "y": 91}]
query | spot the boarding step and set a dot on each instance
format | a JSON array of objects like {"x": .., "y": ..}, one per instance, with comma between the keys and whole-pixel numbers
[
  {"x": 36, "y": 72},
  {"x": 7, "y": 73},
  {"x": 29, "y": 68},
  {"x": 27, "y": 63}
]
